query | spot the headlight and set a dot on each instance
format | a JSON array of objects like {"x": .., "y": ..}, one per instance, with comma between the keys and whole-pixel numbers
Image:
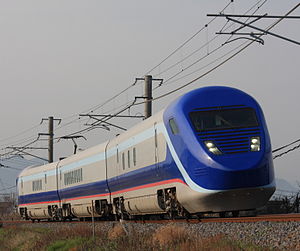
[
  {"x": 255, "y": 144},
  {"x": 212, "y": 148}
]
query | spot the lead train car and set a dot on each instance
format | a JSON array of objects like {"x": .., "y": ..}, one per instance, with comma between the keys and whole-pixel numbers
[{"x": 208, "y": 151}]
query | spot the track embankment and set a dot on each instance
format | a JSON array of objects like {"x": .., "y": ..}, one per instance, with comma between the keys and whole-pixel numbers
[{"x": 279, "y": 232}]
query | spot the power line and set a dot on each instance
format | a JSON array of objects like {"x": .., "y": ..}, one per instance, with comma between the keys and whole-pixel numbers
[
  {"x": 6, "y": 188},
  {"x": 9, "y": 167},
  {"x": 247, "y": 44},
  {"x": 286, "y": 152},
  {"x": 187, "y": 41},
  {"x": 285, "y": 146},
  {"x": 203, "y": 67},
  {"x": 208, "y": 42},
  {"x": 208, "y": 54}
]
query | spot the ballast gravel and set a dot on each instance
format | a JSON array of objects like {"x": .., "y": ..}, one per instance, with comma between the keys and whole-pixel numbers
[{"x": 274, "y": 235}]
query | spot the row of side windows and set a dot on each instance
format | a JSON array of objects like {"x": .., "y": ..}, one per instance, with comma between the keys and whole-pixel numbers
[
  {"x": 72, "y": 177},
  {"x": 37, "y": 185},
  {"x": 128, "y": 155}
]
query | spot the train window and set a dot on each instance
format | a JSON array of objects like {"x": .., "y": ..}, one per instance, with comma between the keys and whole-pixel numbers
[
  {"x": 173, "y": 126},
  {"x": 128, "y": 155},
  {"x": 117, "y": 155},
  {"x": 45, "y": 178},
  {"x": 72, "y": 177},
  {"x": 123, "y": 161},
  {"x": 36, "y": 185},
  {"x": 223, "y": 119},
  {"x": 21, "y": 183},
  {"x": 134, "y": 156}
]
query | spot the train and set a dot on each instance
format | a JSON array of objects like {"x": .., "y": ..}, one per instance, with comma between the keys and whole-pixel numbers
[{"x": 208, "y": 151}]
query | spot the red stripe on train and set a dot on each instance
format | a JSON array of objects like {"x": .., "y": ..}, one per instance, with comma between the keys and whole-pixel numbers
[{"x": 113, "y": 193}]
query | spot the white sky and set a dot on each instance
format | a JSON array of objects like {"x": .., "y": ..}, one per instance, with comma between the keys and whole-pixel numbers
[{"x": 61, "y": 57}]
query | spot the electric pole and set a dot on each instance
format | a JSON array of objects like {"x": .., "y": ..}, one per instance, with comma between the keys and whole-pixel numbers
[
  {"x": 148, "y": 96},
  {"x": 51, "y": 136},
  {"x": 148, "y": 93},
  {"x": 50, "y": 142}
]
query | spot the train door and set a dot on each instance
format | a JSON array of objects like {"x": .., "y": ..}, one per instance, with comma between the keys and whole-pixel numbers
[
  {"x": 156, "y": 151},
  {"x": 20, "y": 184},
  {"x": 117, "y": 165},
  {"x": 45, "y": 181},
  {"x": 58, "y": 175}
]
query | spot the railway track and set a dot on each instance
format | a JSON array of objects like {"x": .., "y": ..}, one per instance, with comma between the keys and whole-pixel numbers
[{"x": 270, "y": 218}]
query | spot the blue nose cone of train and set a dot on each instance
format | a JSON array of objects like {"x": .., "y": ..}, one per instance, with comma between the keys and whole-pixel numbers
[{"x": 221, "y": 138}]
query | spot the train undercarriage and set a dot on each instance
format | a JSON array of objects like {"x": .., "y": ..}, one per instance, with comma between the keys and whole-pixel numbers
[{"x": 170, "y": 208}]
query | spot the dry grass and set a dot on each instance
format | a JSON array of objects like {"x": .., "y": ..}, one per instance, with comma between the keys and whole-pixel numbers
[
  {"x": 119, "y": 237},
  {"x": 19, "y": 238},
  {"x": 172, "y": 237},
  {"x": 116, "y": 232},
  {"x": 171, "y": 234},
  {"x": 10, "y": 216}
]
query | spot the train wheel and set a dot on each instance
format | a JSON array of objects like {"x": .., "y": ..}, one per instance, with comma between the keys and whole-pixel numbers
[
  {"x": 200, "y": 216},
  {"x": 235, "y": 213},
  {"x": 222, "y": 214}
]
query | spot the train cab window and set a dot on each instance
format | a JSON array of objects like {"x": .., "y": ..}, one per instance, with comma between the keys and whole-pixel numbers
[
  {"x": 223, "y": 119},
  {"x": 123, "y": 161},
  {"x": 134, "y": 156},
  {"x": 173, "y": 126},
  {"x": 128, "y": 154}
]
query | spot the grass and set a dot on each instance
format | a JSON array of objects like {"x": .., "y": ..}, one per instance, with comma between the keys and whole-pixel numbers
[
  {"x": 79, "y": 237},
  {"x": 64, "y": 245}
]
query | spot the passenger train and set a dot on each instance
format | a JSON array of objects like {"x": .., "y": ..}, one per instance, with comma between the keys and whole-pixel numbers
[{"x": 208, "y": 151}]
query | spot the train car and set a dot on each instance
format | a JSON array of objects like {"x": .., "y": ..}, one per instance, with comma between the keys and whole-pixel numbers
[{"x": 208, "y": 151}]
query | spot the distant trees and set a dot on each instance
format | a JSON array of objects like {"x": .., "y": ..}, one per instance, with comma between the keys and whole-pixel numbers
[
  {"x": 7, "y": 204},
  {"x": 283, "y": 204}
]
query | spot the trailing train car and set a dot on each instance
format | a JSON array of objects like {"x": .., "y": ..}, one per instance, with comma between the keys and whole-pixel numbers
[{"x": 207, "y": 151}]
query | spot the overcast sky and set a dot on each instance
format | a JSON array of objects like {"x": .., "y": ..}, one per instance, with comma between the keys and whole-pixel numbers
[{"x": 63, "y": 57}]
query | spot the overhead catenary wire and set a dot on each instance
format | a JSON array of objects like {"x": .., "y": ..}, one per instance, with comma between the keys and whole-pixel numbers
[
  {"x": 285, "y": 146},
  {"x": 208, "y": 64},
  {"x": 187, "y": 41},
  {"x": 211, "y": 40},
  {"x": 286, "y": 152},
  {"x": 6, "y": 188},
  {"x": 246, "y": 45},
  {"x": 203, "y": 46}
]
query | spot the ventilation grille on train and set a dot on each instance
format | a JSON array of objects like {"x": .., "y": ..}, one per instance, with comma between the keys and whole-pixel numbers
[{"x": 231, "y": 141}]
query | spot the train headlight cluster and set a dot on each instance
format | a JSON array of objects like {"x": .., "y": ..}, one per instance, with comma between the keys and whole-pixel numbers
[
  {"x": 255, "y": 144},
  {"x": 212, "y": 147}
]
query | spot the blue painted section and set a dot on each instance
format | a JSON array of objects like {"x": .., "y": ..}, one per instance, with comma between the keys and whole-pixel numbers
[
  {"x": 99, "y": 187},
  {"x": 38, "y": 197},
  {"x": 226, "y": 171},
  {"x": 147, "y": 175}
]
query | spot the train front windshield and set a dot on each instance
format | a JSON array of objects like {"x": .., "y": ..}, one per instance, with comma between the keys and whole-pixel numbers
[{"x": 223, "y": 119}]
